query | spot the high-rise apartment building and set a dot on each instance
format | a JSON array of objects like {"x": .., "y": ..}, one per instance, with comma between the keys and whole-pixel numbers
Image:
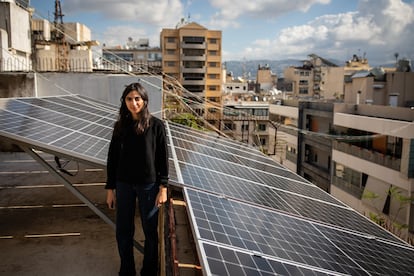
[
  {"x": 362, "y": 154},
  {"x": 192, "y": 55}
]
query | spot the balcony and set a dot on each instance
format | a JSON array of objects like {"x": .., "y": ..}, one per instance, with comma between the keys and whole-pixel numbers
[
  {"x": 319, "y": 175},
  {"x": 347, "y": 187},
  {"x": 193, "y": 70},
  {"x": 289, "y": 130},
  {"x": 193, "y": 82},
  {"x": 185, "y": 45},
  {"x": 369, "y": 155},
  {"x": 193, "y": 58}
]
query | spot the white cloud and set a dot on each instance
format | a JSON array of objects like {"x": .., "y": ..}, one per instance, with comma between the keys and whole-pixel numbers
[
  {"x": 379, "y": 27},
  {"x": 219, "y": 23},
  {"x": 157, "y": 12},
  {"x": 232, "y": 9},
  {"x": 118, "y": 35},
  {"x": 143, "y": 19}
]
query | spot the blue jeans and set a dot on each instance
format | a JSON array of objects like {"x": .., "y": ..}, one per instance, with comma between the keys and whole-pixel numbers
[{"x": 126, "y": 196}]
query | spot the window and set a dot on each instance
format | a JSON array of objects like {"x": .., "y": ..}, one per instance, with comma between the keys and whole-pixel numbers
[
  {"x": 263, "y": 141},
  {"x": 291, "y": 149},
  {"x": 170, "y": 39},
  {"x": 303, "y": 82},
  {"x": 260, "y": 112},
  {"x": 212, "y": 76},
  {"x": 193, "y": 39},
  {"x": 245, "y": 127},
  {"x": 303, "y": 90},
  {"x": 170, "y": 52},
  {"x": 348, "y": 175},
  {"x": 170, "y": 63},
  {"x": 229, "y": 126},
  {"x": 261, "y": 127},
  {"x": 213, "y": 40},
  {"x": 212, "y": 53},
  {"x": 212, "y": 64},
  {"x": 193, "y": 76}
]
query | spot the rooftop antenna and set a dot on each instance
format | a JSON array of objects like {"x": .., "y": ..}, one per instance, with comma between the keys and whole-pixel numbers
[{"x": 58, "y": 36}]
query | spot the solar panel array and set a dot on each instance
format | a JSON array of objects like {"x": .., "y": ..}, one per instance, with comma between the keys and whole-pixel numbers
[{"x": 249, "y": 214}]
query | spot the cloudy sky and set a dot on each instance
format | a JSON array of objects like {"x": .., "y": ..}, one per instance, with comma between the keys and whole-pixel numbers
[{"x": 260, "y": 29}]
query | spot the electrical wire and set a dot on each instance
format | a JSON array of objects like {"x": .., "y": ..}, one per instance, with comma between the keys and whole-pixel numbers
[{"x": 203, "y": 101}]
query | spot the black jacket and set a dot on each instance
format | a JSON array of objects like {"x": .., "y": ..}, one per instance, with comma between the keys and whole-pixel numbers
[{"x": 139, "y": 159}]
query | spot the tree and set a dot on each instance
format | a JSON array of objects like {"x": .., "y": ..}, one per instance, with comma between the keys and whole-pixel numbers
[{"x": 390, "y": 222}]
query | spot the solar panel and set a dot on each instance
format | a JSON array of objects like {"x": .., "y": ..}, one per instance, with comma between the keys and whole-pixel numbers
[
  {"x": 241, "y": 227},
  {"x": 220, "y": 143},
  {"x": 250, "y": 215},
  {"x": 68, "y": 124},
  {"x": 226, "y": 261}
]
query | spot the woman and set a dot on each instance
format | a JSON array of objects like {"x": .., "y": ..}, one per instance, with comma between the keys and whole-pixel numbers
[{"x": 137, "y": 168}]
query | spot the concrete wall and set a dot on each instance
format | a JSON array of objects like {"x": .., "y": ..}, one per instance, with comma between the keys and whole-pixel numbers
[
  {"x": 16, "y": 22},
  {"x": 98, "y": 86},
  {"x": 17, "y": 85},
  {"x": 333, "y": 82}
]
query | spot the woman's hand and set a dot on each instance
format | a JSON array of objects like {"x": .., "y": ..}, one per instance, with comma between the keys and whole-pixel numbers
[
  {"x": 161, "y": 196},
  {"x": 110, "y": 199}
]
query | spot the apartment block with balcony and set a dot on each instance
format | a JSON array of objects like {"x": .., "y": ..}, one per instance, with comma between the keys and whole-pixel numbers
[
  {"x": 248, "y": 122},
  {"x": 135, "y": 56},
  {"x": 192, "y": 55},
  {"x": 373, "y": 163},
  {"x": 317, "y": 78},
  {"x": 302, "y": 80},
  {"x": 303, "y": 138},
  {"x": 284, "y": 117},
  {"x": 314, "y": 145}
]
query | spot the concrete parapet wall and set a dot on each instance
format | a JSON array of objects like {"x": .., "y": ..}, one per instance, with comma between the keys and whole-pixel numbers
[{"x": 97, "y": 86}]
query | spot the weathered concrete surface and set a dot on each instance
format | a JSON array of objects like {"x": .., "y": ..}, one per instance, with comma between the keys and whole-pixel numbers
[{"x": 46, "y": 230}]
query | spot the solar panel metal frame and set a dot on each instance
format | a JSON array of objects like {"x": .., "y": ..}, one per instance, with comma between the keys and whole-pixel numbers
[
  {"x": 56, "y": 150},
  {"x": 213, "y": 148},
  {"x": 220, "y": 216}
]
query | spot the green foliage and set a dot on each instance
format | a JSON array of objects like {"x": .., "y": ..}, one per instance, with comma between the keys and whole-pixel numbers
[
  {"x": 391, "y": 223},
  {"x": 377, "y": 218},
  {"x": 369, "y": 195},
  {"x": 187, "y": 119}
]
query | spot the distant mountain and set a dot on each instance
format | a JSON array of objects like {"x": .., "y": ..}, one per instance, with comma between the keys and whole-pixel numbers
[{"x": 249, "y": 67}]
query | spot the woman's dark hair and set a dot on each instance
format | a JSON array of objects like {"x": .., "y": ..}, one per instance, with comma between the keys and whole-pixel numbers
[{"x": 125, "y": 118}]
